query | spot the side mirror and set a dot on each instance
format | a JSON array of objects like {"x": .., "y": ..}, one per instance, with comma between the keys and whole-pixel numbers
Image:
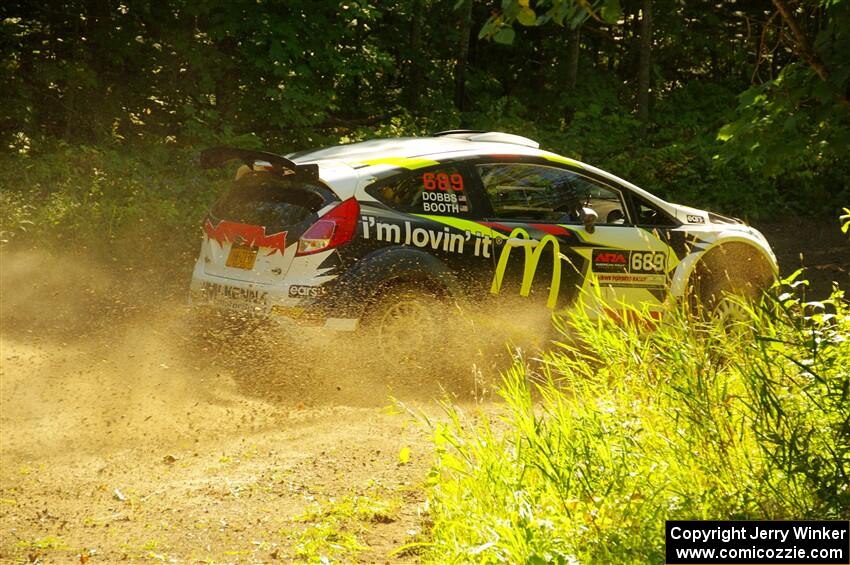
[{"x": 588, "y": 218}]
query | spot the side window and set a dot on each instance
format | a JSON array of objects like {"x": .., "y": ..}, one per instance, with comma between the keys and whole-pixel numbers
[
  {"x": 440, "y": 191},
  {"x": 522, "y": 191},
  {"x": 649, "y": 214}
]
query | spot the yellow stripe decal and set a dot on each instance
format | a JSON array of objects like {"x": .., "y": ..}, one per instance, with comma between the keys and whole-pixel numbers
[
  {"x": 463, "y": 225},
  {"x": 403, "y": 162},
  {"x": 565, "y": 160}
]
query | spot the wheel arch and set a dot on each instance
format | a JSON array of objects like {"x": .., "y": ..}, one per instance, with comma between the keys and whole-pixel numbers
[
  {"x": 391, "y": 266},
  {"x": 744, "y": 251}
]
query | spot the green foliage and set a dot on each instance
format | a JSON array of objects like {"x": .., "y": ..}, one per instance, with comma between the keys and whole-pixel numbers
[
  {"x": 795, "y": 128},
  {"x": 571, "y": 13},
  {"x": 324, "y": 540},
  {"x": 177, "y": 67},
  {"x": 784, "y": 130},
  {"x": 78, "y": 197},
  {"x": 626, "y": 428},
  {"x": 125, "y": 82}
]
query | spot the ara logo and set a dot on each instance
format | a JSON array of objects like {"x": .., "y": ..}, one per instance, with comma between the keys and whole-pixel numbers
[
  {"x": 609, "y": 257},
  {"x": 615, "y": 261},
  {"x": 533, "y": 251},
  {"x": 607, "y": 261}
]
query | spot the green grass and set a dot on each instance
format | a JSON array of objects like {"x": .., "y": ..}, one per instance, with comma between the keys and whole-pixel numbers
[
  {"x": 621, "y": 428},
  {"x": 361, "y": 508},
  {"x": 334, "y": 529}
]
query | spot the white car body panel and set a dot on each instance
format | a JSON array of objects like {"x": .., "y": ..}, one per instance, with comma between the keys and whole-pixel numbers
[{"x": 349, "y": 169}]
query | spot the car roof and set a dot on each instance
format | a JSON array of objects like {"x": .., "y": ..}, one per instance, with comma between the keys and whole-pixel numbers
[
  {"x": 341, "y": 165},
  {"x": 473, "y": 143}
]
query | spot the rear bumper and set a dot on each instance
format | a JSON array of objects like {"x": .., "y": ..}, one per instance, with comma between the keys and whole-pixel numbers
[{"x": 237, "y": 299}]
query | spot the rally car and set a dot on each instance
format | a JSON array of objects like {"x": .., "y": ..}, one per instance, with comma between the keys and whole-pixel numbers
[{"x": 366, "y": 233}]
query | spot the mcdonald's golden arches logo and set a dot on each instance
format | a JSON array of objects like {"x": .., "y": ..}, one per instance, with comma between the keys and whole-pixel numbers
[{"x": 532, "y": 258}]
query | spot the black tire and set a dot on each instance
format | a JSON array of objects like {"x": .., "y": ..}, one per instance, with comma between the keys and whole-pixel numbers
[
  {"x": 726, "y": 280},
  {"x": 726, "y": 303},
  {"x": 407, "y": 325}
]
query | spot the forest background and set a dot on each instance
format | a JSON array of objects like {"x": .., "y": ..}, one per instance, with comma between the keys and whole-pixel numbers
[{"x": 741, "y": 107}]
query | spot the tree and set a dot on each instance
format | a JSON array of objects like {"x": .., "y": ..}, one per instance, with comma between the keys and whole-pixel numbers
[
  {"x": 414, "y": 62},
  {"x": 573, "y": 51},
  {"x": 802, "y": 46},
  {"x": 462, "y": 54},
  {"x": 644, "y": 64}
]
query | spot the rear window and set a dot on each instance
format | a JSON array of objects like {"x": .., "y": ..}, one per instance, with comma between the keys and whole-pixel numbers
[
  {"x": 440, "y": 191},
  {"x": 261, "y": 200}
]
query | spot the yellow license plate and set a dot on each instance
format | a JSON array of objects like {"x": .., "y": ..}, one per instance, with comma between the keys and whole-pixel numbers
[{"x": 242, "y": 257}]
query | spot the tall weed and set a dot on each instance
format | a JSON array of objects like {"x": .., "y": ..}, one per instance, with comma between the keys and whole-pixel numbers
[{"x": 622, "y": 428}]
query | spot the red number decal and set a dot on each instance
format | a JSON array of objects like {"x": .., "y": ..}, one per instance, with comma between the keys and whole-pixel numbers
[{"x": 442, "y": 181}]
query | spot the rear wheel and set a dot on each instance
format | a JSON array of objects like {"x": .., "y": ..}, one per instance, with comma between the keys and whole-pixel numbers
[{"x": 409, "y": 325}]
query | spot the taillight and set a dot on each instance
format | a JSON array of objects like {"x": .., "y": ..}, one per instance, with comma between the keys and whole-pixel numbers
[{"x": 335, "y": 228}]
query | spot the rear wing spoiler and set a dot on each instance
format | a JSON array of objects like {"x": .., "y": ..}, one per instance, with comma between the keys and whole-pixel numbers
[{"x": 217, "y": 156}]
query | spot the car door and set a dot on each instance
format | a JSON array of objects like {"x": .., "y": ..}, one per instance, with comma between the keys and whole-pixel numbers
[
  {"x": 548, "y": 251},
  {"x": 433, "y": 210}
]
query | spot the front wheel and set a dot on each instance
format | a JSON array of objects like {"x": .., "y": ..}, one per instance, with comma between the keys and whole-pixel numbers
[{"x": 727, "y": 281}]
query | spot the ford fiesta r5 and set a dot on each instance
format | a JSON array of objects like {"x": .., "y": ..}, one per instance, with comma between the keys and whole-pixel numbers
[{"x": 341, "y": 236}]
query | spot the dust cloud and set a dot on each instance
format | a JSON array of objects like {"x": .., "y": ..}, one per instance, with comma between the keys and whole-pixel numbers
[
  {"x": 96, "y": 354},
  {"x": 130, "y": 425}
]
